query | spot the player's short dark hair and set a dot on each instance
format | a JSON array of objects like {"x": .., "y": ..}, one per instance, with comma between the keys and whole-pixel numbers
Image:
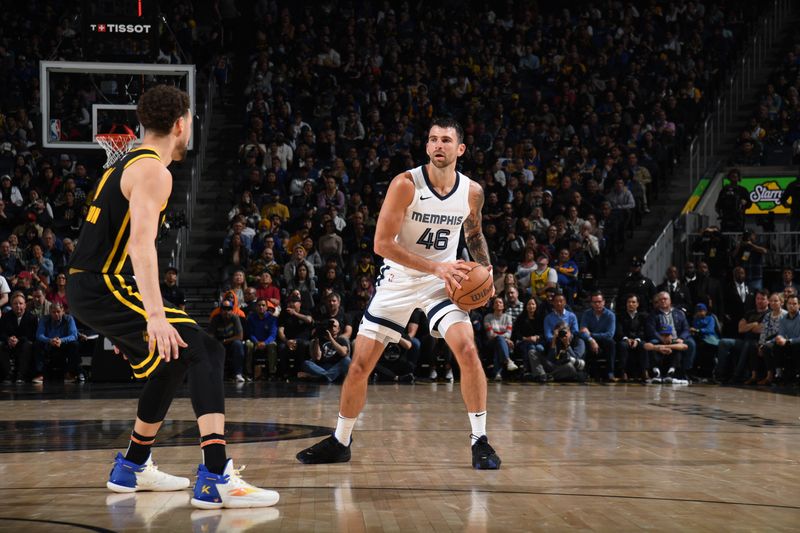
[
  {"x": 160, "y": 106},
  {"x": 449, "y": 122}
]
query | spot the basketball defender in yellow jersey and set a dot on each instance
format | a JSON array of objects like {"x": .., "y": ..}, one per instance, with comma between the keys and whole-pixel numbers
[{"x": 162, "y": 343}]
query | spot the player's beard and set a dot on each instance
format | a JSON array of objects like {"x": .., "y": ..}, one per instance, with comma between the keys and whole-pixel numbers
[{"x": 179, "y": 154}]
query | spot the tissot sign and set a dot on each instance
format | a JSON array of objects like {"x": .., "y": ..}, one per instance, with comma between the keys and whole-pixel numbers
[
  {"x": 765, "y": 192},
  {"x": 120, "y": 28}
]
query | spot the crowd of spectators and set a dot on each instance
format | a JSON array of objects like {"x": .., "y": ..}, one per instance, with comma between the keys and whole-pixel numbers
[
  {"x": 574, "y": 119},
  {"x": 44, "y": 194},
  {"x": 773, "y": 131}
]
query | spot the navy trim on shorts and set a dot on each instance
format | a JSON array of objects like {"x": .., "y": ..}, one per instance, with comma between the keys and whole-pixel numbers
[
  {"x": 436, "y": 325},
  {"x": 438, "y": 307},
  {"x": 384, "y": 322}
]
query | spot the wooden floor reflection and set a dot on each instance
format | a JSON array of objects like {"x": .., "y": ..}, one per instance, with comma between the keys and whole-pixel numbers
[{"x": 602, "y": 458}]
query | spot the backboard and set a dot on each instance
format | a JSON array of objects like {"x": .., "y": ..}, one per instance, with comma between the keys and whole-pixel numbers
[{"x": 81, "y": 99}]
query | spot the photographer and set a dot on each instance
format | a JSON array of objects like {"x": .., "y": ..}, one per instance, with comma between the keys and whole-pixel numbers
[
  {"x": 563, "y": 363},
  {"x": 750, "y": 256},
  {"x": 559, "y": 314},
  {"x": 394, "y": 364},
  {"x": 330, "y": 353},
  {"x": 732, "y": 202},
  {"x": 715, "y": 248}
]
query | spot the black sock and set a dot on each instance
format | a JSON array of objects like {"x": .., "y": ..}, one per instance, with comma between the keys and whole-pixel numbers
[
  {"x": 213, "y": 446},
  {"x": 139, "y": 448}
]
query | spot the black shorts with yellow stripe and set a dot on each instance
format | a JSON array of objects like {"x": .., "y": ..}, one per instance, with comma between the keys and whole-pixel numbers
[{"x": 111, "y": 305}]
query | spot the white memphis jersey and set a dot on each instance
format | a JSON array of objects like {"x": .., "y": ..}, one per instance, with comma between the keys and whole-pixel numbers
[{"x": 432, "y": 224}]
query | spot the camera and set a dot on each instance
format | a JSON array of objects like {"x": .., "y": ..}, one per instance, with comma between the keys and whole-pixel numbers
[
  {"x": 321, "y": 329},
  {"x": 563, "y": 357},
  {"x": 562, "y": 334},
  {"x": 579, "y": 364}
]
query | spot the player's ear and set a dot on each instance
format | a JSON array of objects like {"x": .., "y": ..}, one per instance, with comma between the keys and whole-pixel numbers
[
  {"x": 181, "y": 124},
  {"x": 461, "y": 149}
]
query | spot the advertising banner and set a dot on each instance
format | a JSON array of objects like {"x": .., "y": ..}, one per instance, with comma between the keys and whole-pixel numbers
[{"x": 765, "y": 193}]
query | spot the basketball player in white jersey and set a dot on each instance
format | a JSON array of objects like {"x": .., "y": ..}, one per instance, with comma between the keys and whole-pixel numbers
[{"x": 417, "y": 235}]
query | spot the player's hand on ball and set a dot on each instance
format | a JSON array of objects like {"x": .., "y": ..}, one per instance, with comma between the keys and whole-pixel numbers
[
  {"x": 448, "y": 271},
  {"x": 165, "y": 337}
]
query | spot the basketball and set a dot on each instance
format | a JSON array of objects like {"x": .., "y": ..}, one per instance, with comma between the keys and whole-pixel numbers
[{"x": 475, "y": 291}]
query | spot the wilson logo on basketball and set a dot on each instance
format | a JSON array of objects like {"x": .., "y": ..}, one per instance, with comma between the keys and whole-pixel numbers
[{"x": 478, "y": 296}]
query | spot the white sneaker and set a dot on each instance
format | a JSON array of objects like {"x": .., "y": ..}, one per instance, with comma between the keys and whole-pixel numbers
[
  {"x": 449, "y": 376},
  {"x": 433, "y": 374},
  {"x": 239, "y": 378},
  {"x": 229, "y": 490},
  {"x": 130, "y": 477},
  {"x": 217, "y": 520},
  {"x": 498, "y": 377},
  {"x": 511, "y": 365}
]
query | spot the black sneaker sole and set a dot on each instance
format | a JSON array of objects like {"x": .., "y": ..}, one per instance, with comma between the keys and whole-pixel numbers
[
  {"x": 492, "y": 463},
  {"x": 325, "y": 453},
  {"x": 316, "y": 460}
]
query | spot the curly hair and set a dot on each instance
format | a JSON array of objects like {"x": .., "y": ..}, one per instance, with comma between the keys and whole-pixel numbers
[{"x": 160, "y": 106}]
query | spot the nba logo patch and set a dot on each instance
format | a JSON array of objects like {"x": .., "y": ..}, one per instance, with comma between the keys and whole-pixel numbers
[{"x": 55, "y": 130}]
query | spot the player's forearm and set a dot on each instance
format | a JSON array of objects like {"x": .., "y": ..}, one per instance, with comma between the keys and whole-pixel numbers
[
  {"x": 394, "y": 252},
  {"x": 145, "y": 268},
  {"x": 478, "y": 249}
]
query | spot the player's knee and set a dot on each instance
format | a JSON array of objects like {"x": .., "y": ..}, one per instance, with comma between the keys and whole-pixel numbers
[{"x": 360, "y": 369}]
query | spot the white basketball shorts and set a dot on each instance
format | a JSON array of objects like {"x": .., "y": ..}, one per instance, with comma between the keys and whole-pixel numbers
[{"x": 396, "y": 296}]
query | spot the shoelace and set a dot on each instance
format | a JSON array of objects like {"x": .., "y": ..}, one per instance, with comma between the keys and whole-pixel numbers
[
  {"x": 235, "y": 479},
  {"x": 150, "y": 467}
]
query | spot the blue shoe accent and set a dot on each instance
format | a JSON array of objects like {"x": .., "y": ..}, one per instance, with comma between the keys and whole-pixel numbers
[
  {"x": 124, "y": 472},
  {"x": 205, "y": 490}
]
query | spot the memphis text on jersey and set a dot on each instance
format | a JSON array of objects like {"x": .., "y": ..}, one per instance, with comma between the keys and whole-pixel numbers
[{"x": 430, "y": 218}]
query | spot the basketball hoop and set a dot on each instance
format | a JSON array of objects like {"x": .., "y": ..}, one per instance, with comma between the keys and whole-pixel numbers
[{"x": 116, "y": 145}]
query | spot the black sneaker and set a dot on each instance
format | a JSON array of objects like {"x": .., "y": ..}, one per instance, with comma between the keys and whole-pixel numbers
[
  {"x": 483, "y": 455},
  {"x": 326, "y": 451}
]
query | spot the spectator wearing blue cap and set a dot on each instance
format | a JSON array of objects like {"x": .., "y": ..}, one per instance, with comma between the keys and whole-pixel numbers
[
  {"x": 665, "y": 349},
  {"x": 666, "y": 315}
]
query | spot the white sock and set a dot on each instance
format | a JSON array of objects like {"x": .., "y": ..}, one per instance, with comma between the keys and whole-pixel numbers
[
  {"x": 344, "y": 428},
  {"x": 478, "y": 423}
]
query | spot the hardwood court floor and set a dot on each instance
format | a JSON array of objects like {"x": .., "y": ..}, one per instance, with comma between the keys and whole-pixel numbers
[{"x": 601, "y": 458}]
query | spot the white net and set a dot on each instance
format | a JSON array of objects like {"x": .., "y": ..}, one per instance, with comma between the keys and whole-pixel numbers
[{"x": 116, "y": 145}]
